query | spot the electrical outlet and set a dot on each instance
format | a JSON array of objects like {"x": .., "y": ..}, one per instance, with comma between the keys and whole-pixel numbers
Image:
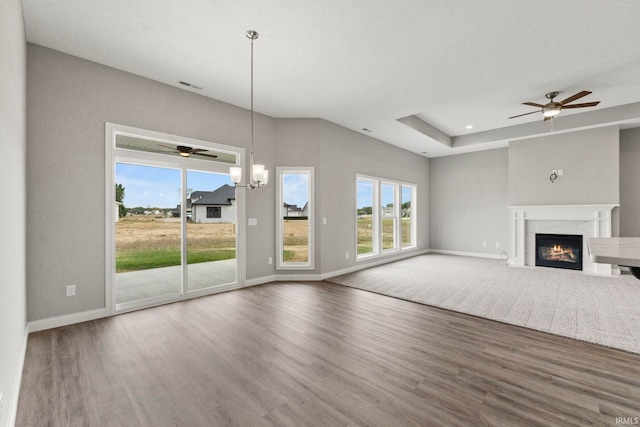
[
  {"x": 497, "y": 245},
  {"x": 484, "y": 244},
  {"x": 71, "y": 290},
  {"x": 560, "y": 172},
  {"x": 324, "y": 221},
  {"x": 1, "y": 407},
  {"x": 270, "y": 260},
  {"x": 347, "y": 256}
]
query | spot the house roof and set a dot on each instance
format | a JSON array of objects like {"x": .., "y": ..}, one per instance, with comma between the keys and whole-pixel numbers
[{"x": 221, "y": 196}]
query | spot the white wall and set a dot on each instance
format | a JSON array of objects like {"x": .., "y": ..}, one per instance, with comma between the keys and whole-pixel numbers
[
  {"x": 12, "y": 192},
  {"x": 227, "y": 214},
  {"x": 630, "y": 183},
  {"x": 590, "y": 161},
  {"x": 468, "y": 202}
]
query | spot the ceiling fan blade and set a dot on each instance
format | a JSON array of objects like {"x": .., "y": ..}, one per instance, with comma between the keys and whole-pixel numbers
[
  {"x": 167, "y": 146},
  {"x": 574, "y": 97},
  {"x": 213, "y": 156},
  {"x": 198, "y": 150},
  {"x": 525, "y": 114},
  {"x": 586, "y": 104},
  {"x": 533, "y": 104}
]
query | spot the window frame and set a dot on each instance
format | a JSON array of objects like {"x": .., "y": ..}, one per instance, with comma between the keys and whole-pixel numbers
[
  {"x": 114, "y": 154},
  {"x": 281, "y": 171},
  {"x": 378, "y": 215}
]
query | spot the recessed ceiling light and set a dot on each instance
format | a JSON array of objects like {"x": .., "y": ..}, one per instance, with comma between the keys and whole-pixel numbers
[{"x": 468, "y": 127}]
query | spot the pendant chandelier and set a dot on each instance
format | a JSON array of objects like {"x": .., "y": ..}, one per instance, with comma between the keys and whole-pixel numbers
[{"x": 258, "y": 176}]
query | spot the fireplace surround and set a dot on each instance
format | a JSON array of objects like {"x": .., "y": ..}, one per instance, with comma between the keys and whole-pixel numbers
[{"x": 585, "y": 220}]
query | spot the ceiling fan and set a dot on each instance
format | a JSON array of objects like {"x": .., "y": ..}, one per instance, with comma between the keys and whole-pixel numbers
[
  {"x": 186, "y": 151},
  {"x": 552, "y": 108}
]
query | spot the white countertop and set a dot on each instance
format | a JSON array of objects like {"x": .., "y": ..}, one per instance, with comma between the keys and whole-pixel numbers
[{"x": 623, "y": 251}]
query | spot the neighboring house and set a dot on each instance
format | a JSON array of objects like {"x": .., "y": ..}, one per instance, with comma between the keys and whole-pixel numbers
[
  {"x": 175, "y": 212},
  {"x": 388, "y": 211},
  {"x": 294, "y": 211},
  {"x": 214, "y": 206},
  {"x": 117, "y": 214}
]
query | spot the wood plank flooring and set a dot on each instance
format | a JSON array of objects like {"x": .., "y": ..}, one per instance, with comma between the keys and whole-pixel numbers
[{"x": 297, "y": 354}]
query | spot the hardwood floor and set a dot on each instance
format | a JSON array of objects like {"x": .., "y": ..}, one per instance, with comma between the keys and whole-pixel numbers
[{"x": 295, "y": 354}]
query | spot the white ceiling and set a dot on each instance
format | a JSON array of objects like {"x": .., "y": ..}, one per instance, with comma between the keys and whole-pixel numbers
[{"x": 368, "y": 63}]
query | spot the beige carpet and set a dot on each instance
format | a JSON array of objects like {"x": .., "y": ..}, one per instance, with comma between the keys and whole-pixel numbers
[{"x": 601, "y": 310}]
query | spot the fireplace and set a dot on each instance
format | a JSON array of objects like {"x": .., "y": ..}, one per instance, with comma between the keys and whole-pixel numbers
[{"x": 559, "y": 251}]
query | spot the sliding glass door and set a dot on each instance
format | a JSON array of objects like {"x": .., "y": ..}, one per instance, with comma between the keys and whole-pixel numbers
[
  {"x": 147, "y": 238},
  {"x": 211, "y": 230},
  {"x": 172, "y": 219}
]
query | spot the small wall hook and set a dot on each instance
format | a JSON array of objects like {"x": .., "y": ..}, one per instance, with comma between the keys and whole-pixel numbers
[{"x": 553, "y": 177}]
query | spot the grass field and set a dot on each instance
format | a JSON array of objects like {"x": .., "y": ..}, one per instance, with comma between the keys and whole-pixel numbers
[
  {"x": 144, "y": 242},
  {"x": 365, "y": 235},
  {"x": 295, "y": 241}
]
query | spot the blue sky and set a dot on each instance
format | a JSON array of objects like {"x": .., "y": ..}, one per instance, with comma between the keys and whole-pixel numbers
[
  {"x": 152, "y": 187},
  {"x": 365, "y": 194},
  {"x": 295, "y": 189}
]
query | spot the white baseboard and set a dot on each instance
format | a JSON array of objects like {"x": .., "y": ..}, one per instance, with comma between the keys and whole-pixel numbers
[
  {"x": 259, "y": 280},
  {"x": 299, "y": 277},
  {"x": 459, "y": 253},
  {"x": 56, "y": 322},
  {"x": 373, "y": 263},
  {"x": 68, "y": 319}
]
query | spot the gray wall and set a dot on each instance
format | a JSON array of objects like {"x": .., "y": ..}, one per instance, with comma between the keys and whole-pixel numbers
[
  {"x": 13, "y": 194},
  {"x": 337, "y": 155},
  {"x": 630, "y": 183},
  {"x": 70, "y": 99},
  {"x": 590, "y": 161},
  {"x": 468, "y": 203}
]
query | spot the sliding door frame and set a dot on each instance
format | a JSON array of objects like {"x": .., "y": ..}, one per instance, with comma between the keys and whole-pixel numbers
[{"x": 114, "y": 155}]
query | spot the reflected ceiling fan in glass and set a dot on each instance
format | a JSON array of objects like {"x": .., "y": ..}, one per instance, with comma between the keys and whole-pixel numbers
[
  {"x": 186, "y": 151},
  {"x": 131, "y": 142}
]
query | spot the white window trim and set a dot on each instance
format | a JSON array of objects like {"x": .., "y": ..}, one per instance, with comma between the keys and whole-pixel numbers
[
  {"x": 377, "y": 251},
  {"x": 413, "y": 231},
  {"x": 280, "y": 264}
]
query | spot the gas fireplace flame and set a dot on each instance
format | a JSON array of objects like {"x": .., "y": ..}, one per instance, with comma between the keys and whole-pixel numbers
[{"x": 560, "y": 253}]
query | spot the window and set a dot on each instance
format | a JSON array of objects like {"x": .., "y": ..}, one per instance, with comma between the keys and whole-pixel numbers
[
  {"x": 388, "y": 215},
  {"x": 385, "y": 216},
  {"x": 365, "y": 222},
  {"x": 407, "y": 224},
  {"x": 214, "y": 212},
  {"x": 295, "y": 231}
]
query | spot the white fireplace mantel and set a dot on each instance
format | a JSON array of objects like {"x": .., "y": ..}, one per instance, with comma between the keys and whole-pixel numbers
[{"x": 587, "y": 220}]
